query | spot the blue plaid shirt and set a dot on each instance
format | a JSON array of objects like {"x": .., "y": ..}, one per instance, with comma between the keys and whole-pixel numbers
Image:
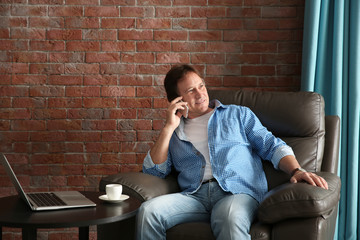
[{"x": 237, "y": 143}]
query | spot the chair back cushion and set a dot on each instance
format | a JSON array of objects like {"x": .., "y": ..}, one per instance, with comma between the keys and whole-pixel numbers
[{"x": 296, "y": 117}]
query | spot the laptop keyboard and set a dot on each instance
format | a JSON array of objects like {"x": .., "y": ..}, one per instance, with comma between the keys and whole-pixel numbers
[{"x": 46, "y": 199}]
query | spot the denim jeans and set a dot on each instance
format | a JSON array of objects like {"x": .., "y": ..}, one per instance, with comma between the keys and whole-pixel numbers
[{"x": 230, "y": 215}]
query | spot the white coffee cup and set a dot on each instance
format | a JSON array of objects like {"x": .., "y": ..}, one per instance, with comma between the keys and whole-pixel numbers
[{"x": 113, "y": 191}]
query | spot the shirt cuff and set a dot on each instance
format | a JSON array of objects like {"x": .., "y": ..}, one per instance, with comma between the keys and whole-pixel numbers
[
  {"x": 281, "y": 152},
  {"x": 148, "y": 164}
]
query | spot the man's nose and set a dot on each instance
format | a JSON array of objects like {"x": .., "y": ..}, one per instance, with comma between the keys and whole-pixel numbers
[{"x": 197, "y": 93}]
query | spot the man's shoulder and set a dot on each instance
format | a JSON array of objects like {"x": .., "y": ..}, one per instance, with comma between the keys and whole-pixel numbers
[
  {"x": 235, "y": 111},
  {"x": 237, "y": 107}
]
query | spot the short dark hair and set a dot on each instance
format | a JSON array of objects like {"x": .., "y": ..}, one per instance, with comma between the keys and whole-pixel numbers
[{"x": 172, "y": 78}]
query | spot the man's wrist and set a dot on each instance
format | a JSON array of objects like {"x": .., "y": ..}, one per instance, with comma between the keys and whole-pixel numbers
[{"x": 293, "y": 172}]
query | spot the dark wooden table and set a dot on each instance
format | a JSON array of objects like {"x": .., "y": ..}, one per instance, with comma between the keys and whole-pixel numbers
[{"x": 15, "y": 213}]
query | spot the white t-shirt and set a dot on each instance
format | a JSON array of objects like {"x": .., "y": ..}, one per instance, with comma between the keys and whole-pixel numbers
[{"x": 197, "y": 133}]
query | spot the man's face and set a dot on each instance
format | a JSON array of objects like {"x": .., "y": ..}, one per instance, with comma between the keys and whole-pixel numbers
[{"x": 192, "y": 89}]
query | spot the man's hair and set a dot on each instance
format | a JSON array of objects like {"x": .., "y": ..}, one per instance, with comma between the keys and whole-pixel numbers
[{"x": 172, "y": 78}]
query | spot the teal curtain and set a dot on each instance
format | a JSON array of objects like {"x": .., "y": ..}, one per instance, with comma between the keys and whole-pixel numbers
[{"x": 331, "y": 67}]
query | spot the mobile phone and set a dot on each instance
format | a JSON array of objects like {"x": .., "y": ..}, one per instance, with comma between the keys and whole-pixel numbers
[{"x": 184, "y": 112}]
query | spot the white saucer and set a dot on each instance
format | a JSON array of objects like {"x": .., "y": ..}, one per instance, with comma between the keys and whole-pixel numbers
[{"x": 105, "y": 198}]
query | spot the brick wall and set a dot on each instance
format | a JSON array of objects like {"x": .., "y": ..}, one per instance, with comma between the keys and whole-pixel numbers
[{"x": 81, "y": 80}]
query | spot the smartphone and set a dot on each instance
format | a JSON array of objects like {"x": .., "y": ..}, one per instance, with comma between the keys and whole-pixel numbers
[{"x": 184, "y": 112}]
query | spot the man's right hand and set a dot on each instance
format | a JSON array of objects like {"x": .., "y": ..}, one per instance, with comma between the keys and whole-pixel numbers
[{"x": 173, "y": 115}]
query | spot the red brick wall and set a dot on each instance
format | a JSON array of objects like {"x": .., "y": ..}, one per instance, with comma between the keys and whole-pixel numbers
[{"x": 81, "y": 80}]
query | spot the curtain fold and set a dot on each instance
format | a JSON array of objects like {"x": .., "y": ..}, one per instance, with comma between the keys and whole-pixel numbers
[{"x": 331, "y": 67}]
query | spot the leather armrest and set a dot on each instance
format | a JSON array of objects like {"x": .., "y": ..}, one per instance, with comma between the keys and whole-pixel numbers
[
  {"x": 300, "y": 200},
  {"x": 142, "y": 186}
]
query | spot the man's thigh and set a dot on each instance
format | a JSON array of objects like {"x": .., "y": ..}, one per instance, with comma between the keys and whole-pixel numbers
[
  {"x": 234, "y": 210},
  {"x": 173, "y": 209}
]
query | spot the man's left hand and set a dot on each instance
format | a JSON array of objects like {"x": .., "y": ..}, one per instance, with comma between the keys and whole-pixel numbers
[{"x": 311, "y": 178}]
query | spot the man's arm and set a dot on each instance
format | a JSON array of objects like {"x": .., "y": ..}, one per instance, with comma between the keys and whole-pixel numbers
[
  {"x": 289, "y": 163},
  {"x": 159, "y": 151}
]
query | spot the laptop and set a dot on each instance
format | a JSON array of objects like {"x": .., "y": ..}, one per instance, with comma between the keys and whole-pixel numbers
[{"x": 47, "y": 200}]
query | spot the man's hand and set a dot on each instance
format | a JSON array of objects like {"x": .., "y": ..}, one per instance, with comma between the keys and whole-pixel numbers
[
  {"x": 289, "y": 163},
  {"x": 173, "y": 115},
  {"x": 310, "y": 178}
]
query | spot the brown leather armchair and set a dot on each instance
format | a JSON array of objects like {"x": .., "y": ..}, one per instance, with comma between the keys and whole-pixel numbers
[{"x": 289, "y": 211}]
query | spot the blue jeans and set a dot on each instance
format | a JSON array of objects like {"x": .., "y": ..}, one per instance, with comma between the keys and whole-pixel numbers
[{"x": 230, "y": 215}]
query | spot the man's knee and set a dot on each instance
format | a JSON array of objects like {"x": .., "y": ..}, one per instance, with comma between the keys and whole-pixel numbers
[
  {"x": 149, "y": 210},
  {"x": 233, "y": 215}
]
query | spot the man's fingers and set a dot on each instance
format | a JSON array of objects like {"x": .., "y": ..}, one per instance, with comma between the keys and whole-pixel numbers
[{"x": 311, "y": 178}]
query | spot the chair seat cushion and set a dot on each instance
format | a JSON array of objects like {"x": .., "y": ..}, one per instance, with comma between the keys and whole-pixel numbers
[
  {"x": 202, "y": 231},
  {"x": 300, "y": 200},
  {"x": 190, "y": 231}
]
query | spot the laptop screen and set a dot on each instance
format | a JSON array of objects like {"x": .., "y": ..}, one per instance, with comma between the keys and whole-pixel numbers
[{"x": 13, "y": 178}]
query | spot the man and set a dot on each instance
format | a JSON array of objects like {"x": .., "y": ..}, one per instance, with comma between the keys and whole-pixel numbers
[{"x": 217, "y": 151}]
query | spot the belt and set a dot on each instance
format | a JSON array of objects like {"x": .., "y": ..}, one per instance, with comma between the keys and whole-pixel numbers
[{"x": 209, "y": 181}]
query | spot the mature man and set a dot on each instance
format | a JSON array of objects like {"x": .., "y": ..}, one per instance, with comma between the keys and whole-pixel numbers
[{"x": 217, "y": 151}]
